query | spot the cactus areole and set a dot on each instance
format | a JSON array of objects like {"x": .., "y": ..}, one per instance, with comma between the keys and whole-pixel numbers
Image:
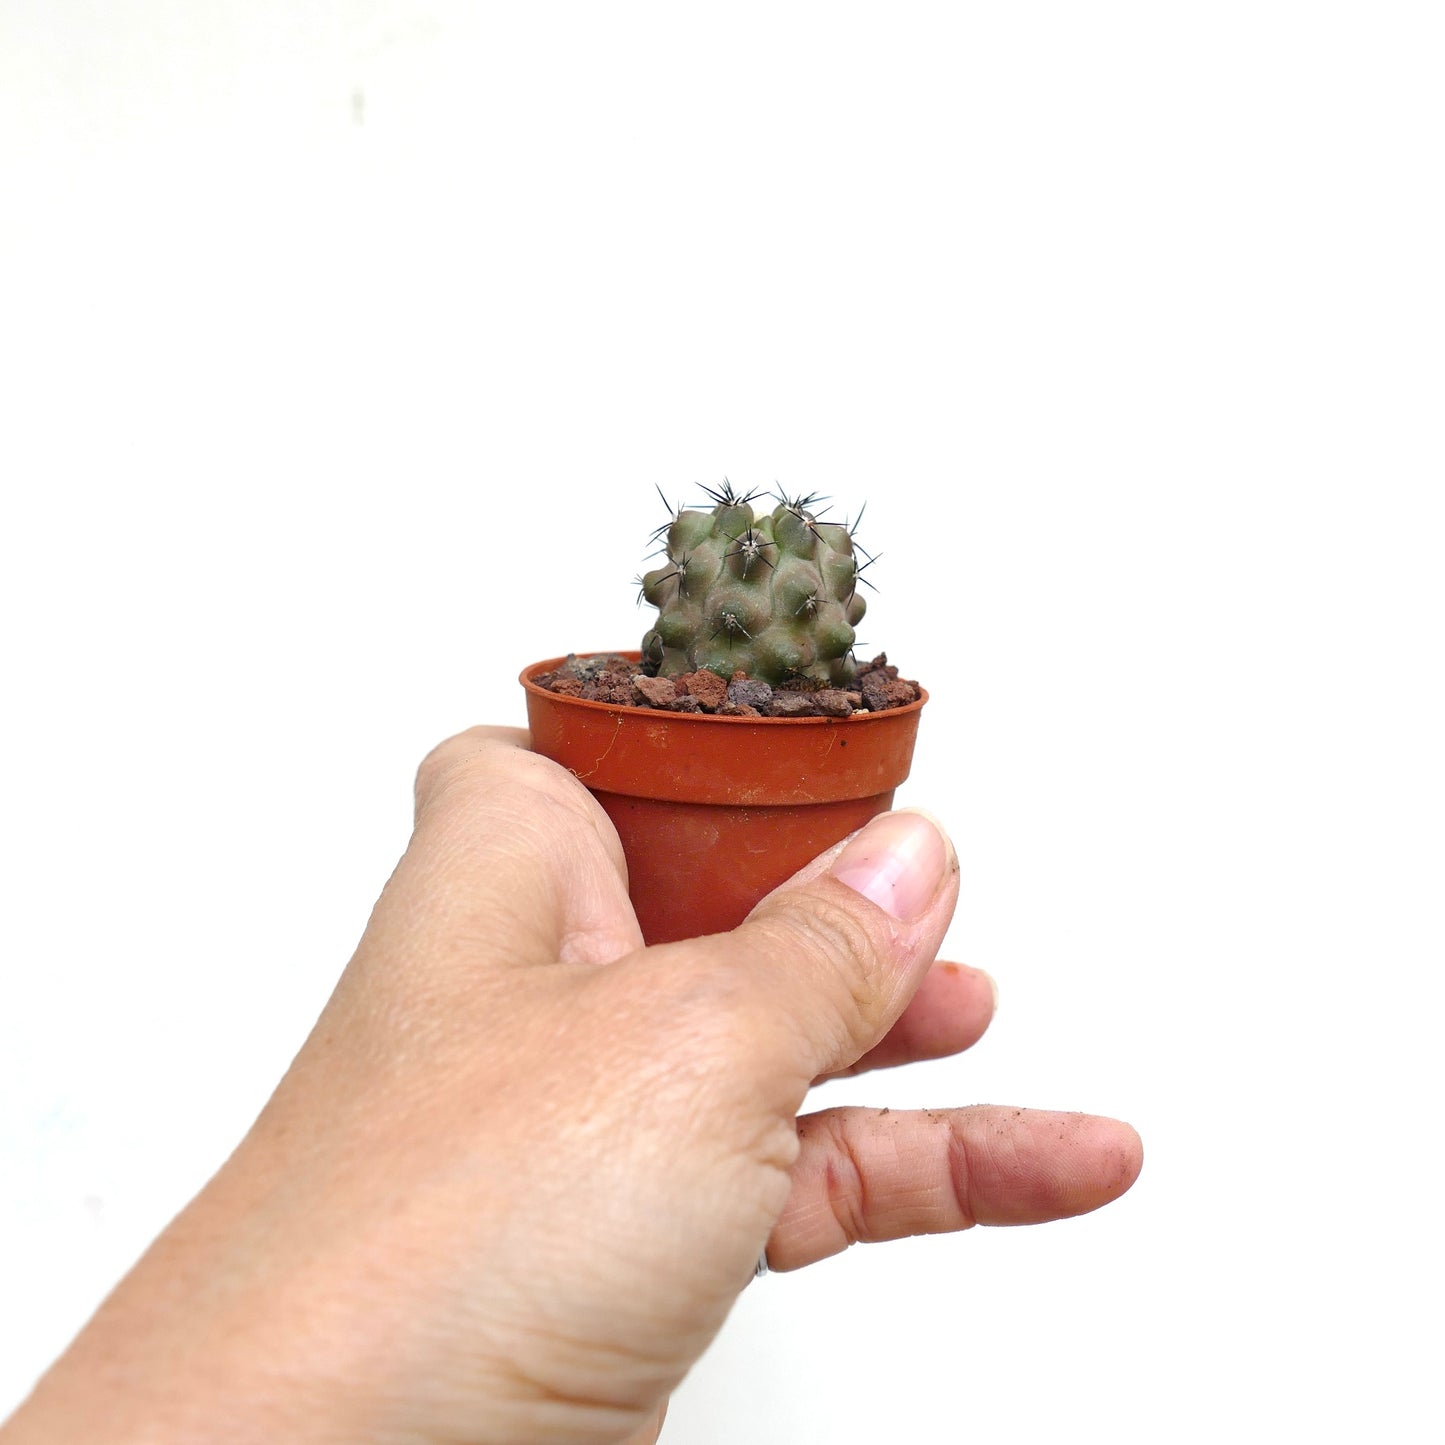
[{"x": 716, "y": 805}]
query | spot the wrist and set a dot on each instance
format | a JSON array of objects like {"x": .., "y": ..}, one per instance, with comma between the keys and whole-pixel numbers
[{"x": 210, "y": 1337}]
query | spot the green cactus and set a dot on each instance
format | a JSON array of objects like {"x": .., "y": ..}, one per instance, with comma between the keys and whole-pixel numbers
[{"x": 773, "y": 595}]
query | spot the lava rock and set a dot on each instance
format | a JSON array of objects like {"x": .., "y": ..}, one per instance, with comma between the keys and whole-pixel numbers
[
  {"x": 792, "y": 704},
  {"x": 707, "y": 687},
  {"x": 881, "y": 692},
  {"x": 745, "y": 692},
  {"x": 588, "y": 669},
  {"x": 872, "y": 685},
  {"x": 658, "y": 691},
  {"x": 832, "y": 702},
  {"x": 610, "y": 687}
]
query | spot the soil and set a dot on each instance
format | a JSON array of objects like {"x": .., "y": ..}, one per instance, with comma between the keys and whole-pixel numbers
[{"x": 610, "y": 678}]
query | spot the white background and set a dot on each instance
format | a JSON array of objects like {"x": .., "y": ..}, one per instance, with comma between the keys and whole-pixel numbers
[{"x": 341, "y": 348}]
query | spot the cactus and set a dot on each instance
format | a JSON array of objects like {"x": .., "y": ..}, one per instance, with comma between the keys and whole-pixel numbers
[{"x": 775, "y": 595}]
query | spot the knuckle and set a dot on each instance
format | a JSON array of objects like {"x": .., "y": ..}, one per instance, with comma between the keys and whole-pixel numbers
[
  {"x": 842, "y": 1179},
  {"x": 688, "y": 1037},
  {"x": 480, "y": 764},
  {"x": 437, "y": 769},
  {"x": 708, "y": 1012},
  {"x": 958, "y": 1168},
  {"x": 712, "y": 1023},
  {"x": 828, "y": 939}
]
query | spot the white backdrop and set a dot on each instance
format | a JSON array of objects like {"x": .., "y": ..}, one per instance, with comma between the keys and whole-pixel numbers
[{"x": 342, "y": 346}]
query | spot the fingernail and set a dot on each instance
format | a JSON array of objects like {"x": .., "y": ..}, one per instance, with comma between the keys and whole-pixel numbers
[
  {"x": 992, "y": 987},
  {"x": 899, "y": 862}
]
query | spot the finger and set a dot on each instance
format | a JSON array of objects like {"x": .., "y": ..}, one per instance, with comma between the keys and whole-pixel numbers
[
  {"x": 824, "y": 965},
  {"x": 512, "y": 862},
  {"x": 441, "y": 765},
  {"x": 949, "y": 1013},
  {"x": 864, "y": 1175},
  {"x": 649, "y": 1432}
]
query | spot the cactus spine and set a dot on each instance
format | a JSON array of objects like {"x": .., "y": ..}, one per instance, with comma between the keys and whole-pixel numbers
[{"x": 775, "y": 595}]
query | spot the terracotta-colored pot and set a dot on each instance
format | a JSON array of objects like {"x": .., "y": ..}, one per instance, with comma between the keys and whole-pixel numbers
[{"x": 715, "y": 812}]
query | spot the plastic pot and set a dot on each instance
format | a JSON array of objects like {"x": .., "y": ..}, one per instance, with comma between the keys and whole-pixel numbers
[{"x": 715, "y": 812}]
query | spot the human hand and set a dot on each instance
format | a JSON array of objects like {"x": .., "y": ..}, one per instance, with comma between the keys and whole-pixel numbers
[{"x": 520, "y": 1171}]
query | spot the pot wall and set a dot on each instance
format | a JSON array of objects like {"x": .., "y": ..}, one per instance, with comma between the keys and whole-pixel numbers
[{"x": 714, "y": 813}]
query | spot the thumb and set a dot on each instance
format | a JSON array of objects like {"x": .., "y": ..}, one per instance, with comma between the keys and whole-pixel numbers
[{"x": 832, "y": 957}]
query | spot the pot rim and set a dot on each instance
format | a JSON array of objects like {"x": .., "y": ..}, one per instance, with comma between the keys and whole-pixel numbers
[{"x": 692, "y": 718}]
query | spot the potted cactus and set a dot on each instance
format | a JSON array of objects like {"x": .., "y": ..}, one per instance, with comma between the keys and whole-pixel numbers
[{"x": 742, "y": 738}]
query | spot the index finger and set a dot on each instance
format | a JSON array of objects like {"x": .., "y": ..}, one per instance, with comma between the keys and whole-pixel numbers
[{"x": 511, "y": 862}]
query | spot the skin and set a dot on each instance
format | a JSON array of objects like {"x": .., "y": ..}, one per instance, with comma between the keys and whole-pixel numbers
[{"x": 523, "y": 1166}]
